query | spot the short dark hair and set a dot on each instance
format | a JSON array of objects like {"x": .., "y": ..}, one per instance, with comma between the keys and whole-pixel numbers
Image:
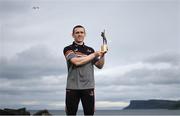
[{"x": 78, "y": 26}]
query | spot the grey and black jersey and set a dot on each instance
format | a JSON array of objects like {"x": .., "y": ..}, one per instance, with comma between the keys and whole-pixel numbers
[{"x": 79, "y": 77}]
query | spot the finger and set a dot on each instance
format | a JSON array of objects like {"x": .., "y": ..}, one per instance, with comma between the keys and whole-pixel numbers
[{"x": 103, "y": 52}]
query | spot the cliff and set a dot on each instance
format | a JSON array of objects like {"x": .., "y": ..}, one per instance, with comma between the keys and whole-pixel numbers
[{"x": 153, "y": 104}]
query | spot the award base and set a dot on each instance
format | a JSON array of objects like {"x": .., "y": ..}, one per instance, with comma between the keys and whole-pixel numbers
[{"x": 104, "y": 48}]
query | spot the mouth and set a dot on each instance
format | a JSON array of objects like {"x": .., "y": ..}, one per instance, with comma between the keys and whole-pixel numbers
[{"x": 80, "y": 37}]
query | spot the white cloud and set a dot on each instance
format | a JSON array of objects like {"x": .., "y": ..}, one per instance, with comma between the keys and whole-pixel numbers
[
  {"x": 30, "y": 102},
  {"x": 140, "y": 80},
  {"x": 109, "y": 104},
  {"x": 57, "y": 105}
]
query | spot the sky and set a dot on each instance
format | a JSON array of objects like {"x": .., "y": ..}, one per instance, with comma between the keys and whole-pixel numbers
[{"x": 143, "y": 61}]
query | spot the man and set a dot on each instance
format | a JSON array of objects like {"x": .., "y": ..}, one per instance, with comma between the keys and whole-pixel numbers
[{"x": 80, "y": 81}]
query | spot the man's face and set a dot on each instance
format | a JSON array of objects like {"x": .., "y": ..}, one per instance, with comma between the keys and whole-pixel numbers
[{"x": 79, "y": 34}]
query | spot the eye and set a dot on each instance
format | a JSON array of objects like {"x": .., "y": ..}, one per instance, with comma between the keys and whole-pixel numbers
[{"x": 79, "y": 32}]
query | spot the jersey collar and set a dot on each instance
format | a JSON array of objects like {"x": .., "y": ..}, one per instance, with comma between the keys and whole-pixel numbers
[{"x": 77, "y": 45}]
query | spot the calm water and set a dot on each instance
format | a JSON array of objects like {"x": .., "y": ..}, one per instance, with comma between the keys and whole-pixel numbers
[{"x": 123, "y": 112}]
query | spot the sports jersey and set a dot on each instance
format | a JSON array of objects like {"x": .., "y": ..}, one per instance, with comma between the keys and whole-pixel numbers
[{"x": 79, "y": 77}]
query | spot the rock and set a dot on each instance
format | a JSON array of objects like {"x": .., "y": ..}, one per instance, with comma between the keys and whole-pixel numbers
[
  {"x": 7, "y": 111},
  {"x": 2, "y": 112},
  {"x": 43, "y": 112}
]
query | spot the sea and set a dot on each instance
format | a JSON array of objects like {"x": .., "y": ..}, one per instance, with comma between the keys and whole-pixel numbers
[{"x": 121, "y": 112}]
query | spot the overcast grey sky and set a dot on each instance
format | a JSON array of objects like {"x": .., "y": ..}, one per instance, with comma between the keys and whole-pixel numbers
[{"x": 143, "y": 60}]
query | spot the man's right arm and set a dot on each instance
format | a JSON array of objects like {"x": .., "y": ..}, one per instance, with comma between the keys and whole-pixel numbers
[
  {"x": 85, "y": 59},
  {"x": 74, "y": 59}
]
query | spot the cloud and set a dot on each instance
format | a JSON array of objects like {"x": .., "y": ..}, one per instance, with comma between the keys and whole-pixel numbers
[
  {"x": 34, "y": 78},
  {"x": 32, "y": 93},
  {"x": 172, "y": 58},
  {"x": 34, "y": 62},
  {"x": 115, "y": 86},
  {"x": 111, "y": 104},
  {"x": 146, "y": 79},
  {"x": 157, "y": 69},
  {"x": 11, "y": 6}
]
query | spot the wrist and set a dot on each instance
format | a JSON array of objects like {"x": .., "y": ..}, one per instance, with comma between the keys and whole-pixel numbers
[{"x": 94, "y": 55}]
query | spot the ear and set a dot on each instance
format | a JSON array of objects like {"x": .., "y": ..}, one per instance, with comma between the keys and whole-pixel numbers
[{"x": 72, "y": 35}]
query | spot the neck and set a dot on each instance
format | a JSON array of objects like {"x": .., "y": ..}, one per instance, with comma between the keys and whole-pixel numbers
[{"x": 79, "y": 43}]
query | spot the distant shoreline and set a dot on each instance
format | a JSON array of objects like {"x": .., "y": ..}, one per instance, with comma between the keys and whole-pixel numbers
[
  {"x": 101, "y": 112},
  {"x": 154, "y": 104},
  {"x": 122, "y": 112}
]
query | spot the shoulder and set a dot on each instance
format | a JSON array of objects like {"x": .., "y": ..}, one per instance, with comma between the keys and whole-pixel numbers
[
  {"x": 67, "y": 48},
  {"x": 90, "y": 49}
]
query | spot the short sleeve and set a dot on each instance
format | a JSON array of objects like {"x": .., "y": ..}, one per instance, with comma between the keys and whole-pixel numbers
[{"x": 68, "y": 53}]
